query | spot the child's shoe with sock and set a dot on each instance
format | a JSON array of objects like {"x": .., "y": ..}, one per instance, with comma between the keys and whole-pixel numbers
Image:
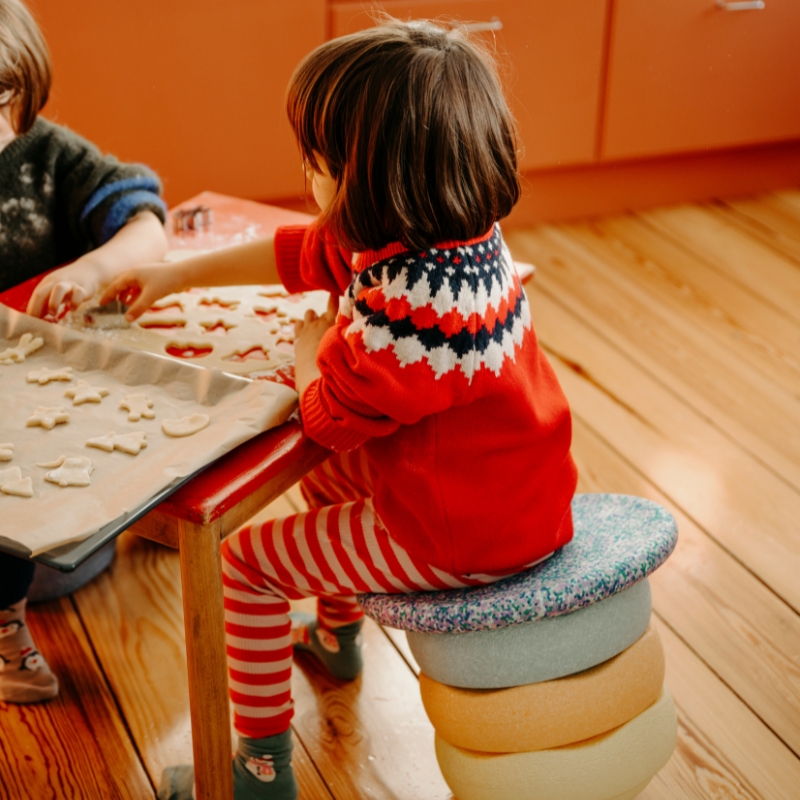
[
  {"x": 339, "y": 649},
  {"x": 262, "y": 770},
  {"x": 25, "y": 676}
]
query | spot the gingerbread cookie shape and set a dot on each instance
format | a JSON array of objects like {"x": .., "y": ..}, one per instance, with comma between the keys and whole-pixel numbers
[
  {"x": 83, "y": 393},
  {"x": 44, "y": 375},
  {"x": 185, "y": 426},
  {"x": 12, "y": 482},
  {"x": 138, "y": 406},
  {"x": 131, "y": 443},
  {"x": 27, "y": 344},
  {"x": 6, "y": 451},
  {"x": 47, "y": 417},
  {"x": 71, "y": 472}
]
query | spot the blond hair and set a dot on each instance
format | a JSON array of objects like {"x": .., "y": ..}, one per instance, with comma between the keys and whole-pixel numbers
[{"x": 24, "y": 65}]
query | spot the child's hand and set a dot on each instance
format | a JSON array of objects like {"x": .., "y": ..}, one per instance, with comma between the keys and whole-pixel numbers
[
  {"x": 140, "y": 287},
  {"x": 68, "y": 286},
  {"x": 308, "y": 334}
]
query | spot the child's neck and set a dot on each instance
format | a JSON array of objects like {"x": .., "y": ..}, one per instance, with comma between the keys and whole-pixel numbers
[{"x": 7, "y": 132}]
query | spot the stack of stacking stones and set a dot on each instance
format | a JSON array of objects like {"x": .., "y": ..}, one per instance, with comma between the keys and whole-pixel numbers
[{"x": 549, "y": 685}]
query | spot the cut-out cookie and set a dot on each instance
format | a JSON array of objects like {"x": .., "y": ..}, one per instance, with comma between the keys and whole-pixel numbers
[
  {"x": 130, "y": 443},
  {"x": 27, "y": 345},
  {"x": 44, "y": 375},
  {"x": 185, "y": 426},
  {"x": 73, "y": 472},
  {"x": 6, "y": 452},
  {"x": 47, "y": 417},
  {"x": 83, "y": 393},
  {"x": 138, "y": 406},
  {"x": 12, "y": 482}
]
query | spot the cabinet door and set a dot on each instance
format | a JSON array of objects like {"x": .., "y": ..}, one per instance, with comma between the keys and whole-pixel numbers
[
  {"x": 193, "y": 89},
  {"x": 550, "y": 54},
  {"x": 691, "y": 75}
]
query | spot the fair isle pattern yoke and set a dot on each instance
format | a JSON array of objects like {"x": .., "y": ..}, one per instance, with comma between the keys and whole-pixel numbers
[{"x": 460, "y": 306}]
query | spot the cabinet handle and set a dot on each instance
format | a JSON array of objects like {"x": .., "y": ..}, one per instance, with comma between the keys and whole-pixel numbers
[
  {"x": 741, "y": 5},
  {"x": 495, "y": 24}
]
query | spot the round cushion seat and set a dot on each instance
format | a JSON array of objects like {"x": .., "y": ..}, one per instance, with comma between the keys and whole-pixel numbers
[
  {"x": 618, "y": 540},
  {"x": 550, "y": 714},
  {"x": 536, "y": 651},
  {"x": 613, "y": 766}
]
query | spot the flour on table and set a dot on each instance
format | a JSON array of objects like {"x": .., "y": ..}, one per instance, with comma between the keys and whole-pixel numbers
[
  {"x": 47, "y": 417},
  {"x": 130, "y": 443},
  {"x": 72, "y": 472},
  {"x": 138, "y": 406},
  {"x": 27, "y": 345},
  {"x": 12, "y": 482},
  {"x": 83, "y": 393},
  {"x": 44, "y": 375},
  {"x": 6, "y": 452},
  {"x": 185, "y": 426}
]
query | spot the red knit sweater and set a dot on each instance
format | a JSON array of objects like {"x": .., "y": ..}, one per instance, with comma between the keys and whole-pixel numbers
[{"x": 433, "y": 367}]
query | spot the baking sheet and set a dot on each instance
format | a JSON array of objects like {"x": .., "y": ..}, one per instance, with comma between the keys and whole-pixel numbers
[{"x": 120, "y": 483}]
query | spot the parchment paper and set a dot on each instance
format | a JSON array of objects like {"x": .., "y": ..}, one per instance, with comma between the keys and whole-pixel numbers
[{"x": 120, "y": 483}]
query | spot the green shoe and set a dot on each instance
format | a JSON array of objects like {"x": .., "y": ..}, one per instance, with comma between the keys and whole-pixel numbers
[{"x": 339, "y": 650}]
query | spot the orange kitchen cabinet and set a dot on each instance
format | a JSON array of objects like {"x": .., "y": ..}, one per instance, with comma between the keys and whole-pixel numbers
[
  {"x": 193, "y": 88},
  {"x": 693, "y": 75},
  {"x": 551, "y": 60}
]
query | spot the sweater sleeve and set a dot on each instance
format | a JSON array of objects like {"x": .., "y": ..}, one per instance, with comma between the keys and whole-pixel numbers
[
  {"x": 309, "y": 260},
  {"x": 100, "y": 194}
]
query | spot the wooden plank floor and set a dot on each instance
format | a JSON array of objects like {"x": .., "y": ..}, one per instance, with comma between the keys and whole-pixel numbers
[{"x": 676, "y": 335}]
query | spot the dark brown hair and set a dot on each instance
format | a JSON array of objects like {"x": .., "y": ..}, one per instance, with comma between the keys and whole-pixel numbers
[
  {"x": 412, "y": 124},
  {"x": 24, "y": 64}
]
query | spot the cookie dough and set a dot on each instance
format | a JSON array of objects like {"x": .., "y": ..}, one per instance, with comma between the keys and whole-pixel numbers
[
  {"x": 83, "y": 393},
  {"x": 6, "y": 452},
  {"x": 130, "y": 443},
  {"x": 12, "y": 482},
  {"x": 47, "y": 417},
  {"x": 45, "y": 375},
  {"x": 27, "y": 345},
  {"x": 138, "y": 406},
  {"x": 185, "y": 426},
  {"x": 72, "y": 472}
]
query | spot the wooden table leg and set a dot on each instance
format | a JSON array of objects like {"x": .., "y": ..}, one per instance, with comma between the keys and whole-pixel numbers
[{"x": 204, "y": 620}]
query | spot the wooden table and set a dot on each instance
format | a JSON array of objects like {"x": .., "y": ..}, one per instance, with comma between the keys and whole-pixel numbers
[{"x": 199, "y": 515}]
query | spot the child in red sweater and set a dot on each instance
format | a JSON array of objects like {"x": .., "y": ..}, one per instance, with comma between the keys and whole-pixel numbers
[{"x": 450, "y": 434}]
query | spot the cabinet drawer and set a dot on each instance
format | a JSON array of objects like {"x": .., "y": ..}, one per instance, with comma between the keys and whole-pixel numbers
[
  {"x": 690, "y": 75},
  {"x": 550, "y": 56}
]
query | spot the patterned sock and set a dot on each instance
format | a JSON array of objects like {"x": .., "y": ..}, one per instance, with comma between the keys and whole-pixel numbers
[
  {"x": 25, "y": 676},
  {"x": 262, "y": 770},
  {"x": 339, "y": 649}
]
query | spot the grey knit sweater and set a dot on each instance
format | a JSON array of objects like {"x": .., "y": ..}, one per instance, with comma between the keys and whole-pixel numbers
[{"x": 60, "y": 197}]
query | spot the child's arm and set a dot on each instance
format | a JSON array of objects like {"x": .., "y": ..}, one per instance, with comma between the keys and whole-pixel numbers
[
  {"x": 141, "y": 239},
  {"x": 245, "y": 264},
  {"x": 308, "y": 334}
]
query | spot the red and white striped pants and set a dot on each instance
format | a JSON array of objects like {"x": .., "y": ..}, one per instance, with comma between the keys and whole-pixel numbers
[{"x": 333, "y": 551}]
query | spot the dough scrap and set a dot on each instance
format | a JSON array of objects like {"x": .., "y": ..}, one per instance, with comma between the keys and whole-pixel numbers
[
  {"x": 138, "y": 406},
  {"x": 131, "y": 443},
  {"x": 27, "y": 345},
  {"x": 45, "y": 375},
  {"x": 73, "y": 472},
  {"x": 83, "y": 393},
  {"x": 52, "y": 464},
  {"x": 185, "y": 426},
  {"x": 12, "y": 482},
  {"x": 6, "y": 452},
  {"x": 47, "y": 417}
]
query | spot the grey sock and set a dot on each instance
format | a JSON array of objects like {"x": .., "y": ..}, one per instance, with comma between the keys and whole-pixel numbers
[{"x": 338, "y": 649}]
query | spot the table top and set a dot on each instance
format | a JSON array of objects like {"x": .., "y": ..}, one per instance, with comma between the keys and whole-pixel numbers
[{"x": 233, "y": 477}]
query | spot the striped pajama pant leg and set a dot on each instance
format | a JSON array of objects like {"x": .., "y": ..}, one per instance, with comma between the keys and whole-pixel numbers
[{"x": 335, "y": 550}]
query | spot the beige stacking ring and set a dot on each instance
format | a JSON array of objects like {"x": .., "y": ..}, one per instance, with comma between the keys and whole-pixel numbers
[
  {"x": 549, "y": 714},
  {"x": 615, "y": 766}
]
